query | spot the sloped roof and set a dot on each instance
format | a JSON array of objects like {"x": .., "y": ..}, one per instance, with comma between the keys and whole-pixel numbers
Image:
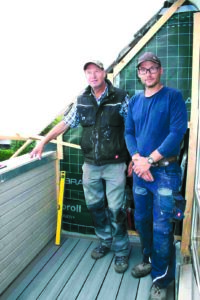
[{"x": 189, "y": 5}]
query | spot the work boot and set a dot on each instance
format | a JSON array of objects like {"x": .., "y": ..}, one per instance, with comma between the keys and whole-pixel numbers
[
  {"x": 99, "y": 251},
  {"x": 121, "y": 264},
  {"x": 141, "y": 270},
  {"x": 157, "y": 293}
]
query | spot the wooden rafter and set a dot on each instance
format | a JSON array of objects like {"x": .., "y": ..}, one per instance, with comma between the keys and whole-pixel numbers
[
  {"x": 28, "y": 142},
  {"x": 60, "y": 147},
  {"x": 110, "y": 76},
  {"x": 186, "y": 237},
  {"x": 35, "y": 138},
  {"x": 151, "y": 32}
]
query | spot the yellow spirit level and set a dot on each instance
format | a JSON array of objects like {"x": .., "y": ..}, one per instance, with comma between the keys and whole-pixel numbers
[{"x": 60, "y": 207}]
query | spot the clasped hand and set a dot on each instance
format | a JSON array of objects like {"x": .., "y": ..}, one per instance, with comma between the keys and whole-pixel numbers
[{"x": 141, "y": 168}]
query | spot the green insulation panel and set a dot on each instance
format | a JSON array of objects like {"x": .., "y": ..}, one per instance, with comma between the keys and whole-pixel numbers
[
  {"x": 173, "y": 45},
  {"x": 76, "y": 217}
]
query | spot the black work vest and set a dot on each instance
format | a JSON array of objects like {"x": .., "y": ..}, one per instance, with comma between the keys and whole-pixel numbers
[{"x": 103, "y": 127}]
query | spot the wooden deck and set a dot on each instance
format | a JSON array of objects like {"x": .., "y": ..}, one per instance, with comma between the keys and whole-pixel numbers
[{"x": 68, "y": 272}]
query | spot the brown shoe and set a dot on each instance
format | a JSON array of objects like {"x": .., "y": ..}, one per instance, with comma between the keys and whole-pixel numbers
[
  {"x": 99, "y": 252},
  {"x": 157, "y": 293},
  {"x": 141, "y": 270},
  {"x": 121, "y": 264}
]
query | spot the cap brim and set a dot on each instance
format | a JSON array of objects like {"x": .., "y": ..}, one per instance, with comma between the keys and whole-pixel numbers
[{"x": 92, "y": 63}]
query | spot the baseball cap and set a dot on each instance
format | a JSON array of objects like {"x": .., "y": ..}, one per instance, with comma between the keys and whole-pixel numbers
[
  {"x": 148, "y": 56},
  {"x": 94, "y": 62}
]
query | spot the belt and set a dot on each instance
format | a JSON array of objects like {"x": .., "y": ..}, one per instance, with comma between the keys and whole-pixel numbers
[{"x": 165, "y": 161}]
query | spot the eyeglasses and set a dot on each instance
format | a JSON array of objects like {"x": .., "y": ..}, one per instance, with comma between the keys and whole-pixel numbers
[{"x": 152, "y": 70}]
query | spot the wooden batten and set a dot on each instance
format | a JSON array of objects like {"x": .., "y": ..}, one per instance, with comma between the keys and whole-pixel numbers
[
  {"x": 57, "y": 169},
  {"x": 28, "y": 142},
  {"x": 110, "y": 77},
  {"x": 60, "y": 147},
  {"x": 35, "y": 138},
  {"x": 186, "y": 236},
  {"x": 151, "y": 32}
]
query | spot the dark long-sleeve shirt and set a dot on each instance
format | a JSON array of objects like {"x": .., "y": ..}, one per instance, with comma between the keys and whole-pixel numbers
[{"x": 158, "y": 123}]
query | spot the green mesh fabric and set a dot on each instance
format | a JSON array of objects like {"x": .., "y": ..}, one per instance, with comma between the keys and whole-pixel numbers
[
  {"x": 76, "y": 217},
  {"x": 173, "y": 45}
]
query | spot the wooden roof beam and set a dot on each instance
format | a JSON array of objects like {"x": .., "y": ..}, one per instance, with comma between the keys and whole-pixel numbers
[
  {"x": 150, "y": 33},
  {"x": 192, "y": 150}
]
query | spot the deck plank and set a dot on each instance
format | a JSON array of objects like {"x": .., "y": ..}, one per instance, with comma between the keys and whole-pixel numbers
[
  {"x": 69, "y": 272},
  {"x": 55, "y": 285},
  {"x": 111, "y": 284},
  {"x": 33, "y": 269},
  {"x": 144, "y": 288},
  {"x": 35, "y": 288},
  {"x": 97, "y": 275},
  {"x": 129, "y": 284},
  {"x": 74, "y": 285}
]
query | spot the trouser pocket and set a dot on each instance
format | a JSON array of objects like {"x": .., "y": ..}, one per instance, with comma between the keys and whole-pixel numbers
[{"x": 179, "y": 208}]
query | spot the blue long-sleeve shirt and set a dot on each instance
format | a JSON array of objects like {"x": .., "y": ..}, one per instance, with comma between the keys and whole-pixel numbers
[{"x": 158, "y": 123}]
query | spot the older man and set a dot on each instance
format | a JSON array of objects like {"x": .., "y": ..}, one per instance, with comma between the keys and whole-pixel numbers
[{"x": 101, "y": 110}]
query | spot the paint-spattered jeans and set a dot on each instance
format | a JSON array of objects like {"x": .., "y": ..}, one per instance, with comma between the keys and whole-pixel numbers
[
  {"x": 109, "y": 222},
  {"x": 154, "y": 204}
]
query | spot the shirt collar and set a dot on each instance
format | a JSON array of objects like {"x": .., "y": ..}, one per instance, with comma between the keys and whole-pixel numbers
[{"x": 104, "y": 93}]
